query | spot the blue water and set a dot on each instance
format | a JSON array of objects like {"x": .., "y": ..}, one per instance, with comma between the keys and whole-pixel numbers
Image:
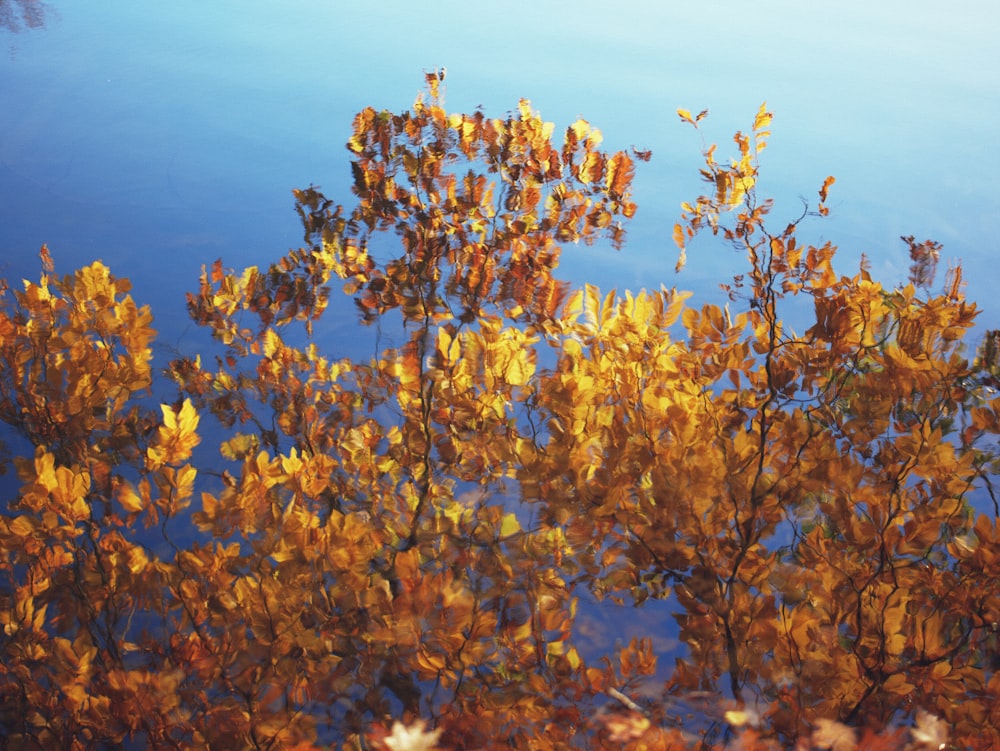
[{"x": 158, "y": 137}]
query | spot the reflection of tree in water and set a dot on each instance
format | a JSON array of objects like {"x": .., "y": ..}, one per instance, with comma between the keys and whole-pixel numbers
[{"x": 16, "y": 15}]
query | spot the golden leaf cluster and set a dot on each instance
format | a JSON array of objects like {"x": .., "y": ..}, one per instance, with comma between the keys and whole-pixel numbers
[{"x": 393, "y": 552}]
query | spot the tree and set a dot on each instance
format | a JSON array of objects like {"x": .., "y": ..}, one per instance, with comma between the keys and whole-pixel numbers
[{"x": 387, "y": 553}]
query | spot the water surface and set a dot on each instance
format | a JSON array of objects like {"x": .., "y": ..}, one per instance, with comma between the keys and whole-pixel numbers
[{"x": 158, "y": 137}]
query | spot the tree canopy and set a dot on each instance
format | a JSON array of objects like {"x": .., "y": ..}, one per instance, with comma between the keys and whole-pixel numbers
[{"x": 390, "y": 552}]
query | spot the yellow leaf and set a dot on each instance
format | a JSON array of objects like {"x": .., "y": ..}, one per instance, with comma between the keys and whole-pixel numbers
[
  {"x": 137, "y": 559},
  {"x": 898, "y": 685},
  {"x": 523, "y": 632},
  {"x": 188, "y": 417},
  {"x": 272, "y": 343},
  {"x": 45, "y": 470},
  {"x": 444, "y": 346},
  {"x": 176, "y": 437},
  {"x": 129, "y": 499},
  {"x": 509, "y": 525},
  {"x": 681, "y": 260},
  {"x": 763, "y": 118},
  {"x": 22, "y": 526}
]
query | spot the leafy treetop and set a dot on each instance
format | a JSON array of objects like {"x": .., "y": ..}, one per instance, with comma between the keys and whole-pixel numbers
[{"x": 388, "y": 553}]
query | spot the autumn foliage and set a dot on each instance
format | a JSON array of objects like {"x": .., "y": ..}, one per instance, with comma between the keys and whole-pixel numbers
[{"x": 389, "y": 552}]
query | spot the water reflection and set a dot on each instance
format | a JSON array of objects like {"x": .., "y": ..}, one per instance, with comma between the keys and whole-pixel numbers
[
  {"x": 183, "y": 232},
  {"x": 20, "y": 15}
]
